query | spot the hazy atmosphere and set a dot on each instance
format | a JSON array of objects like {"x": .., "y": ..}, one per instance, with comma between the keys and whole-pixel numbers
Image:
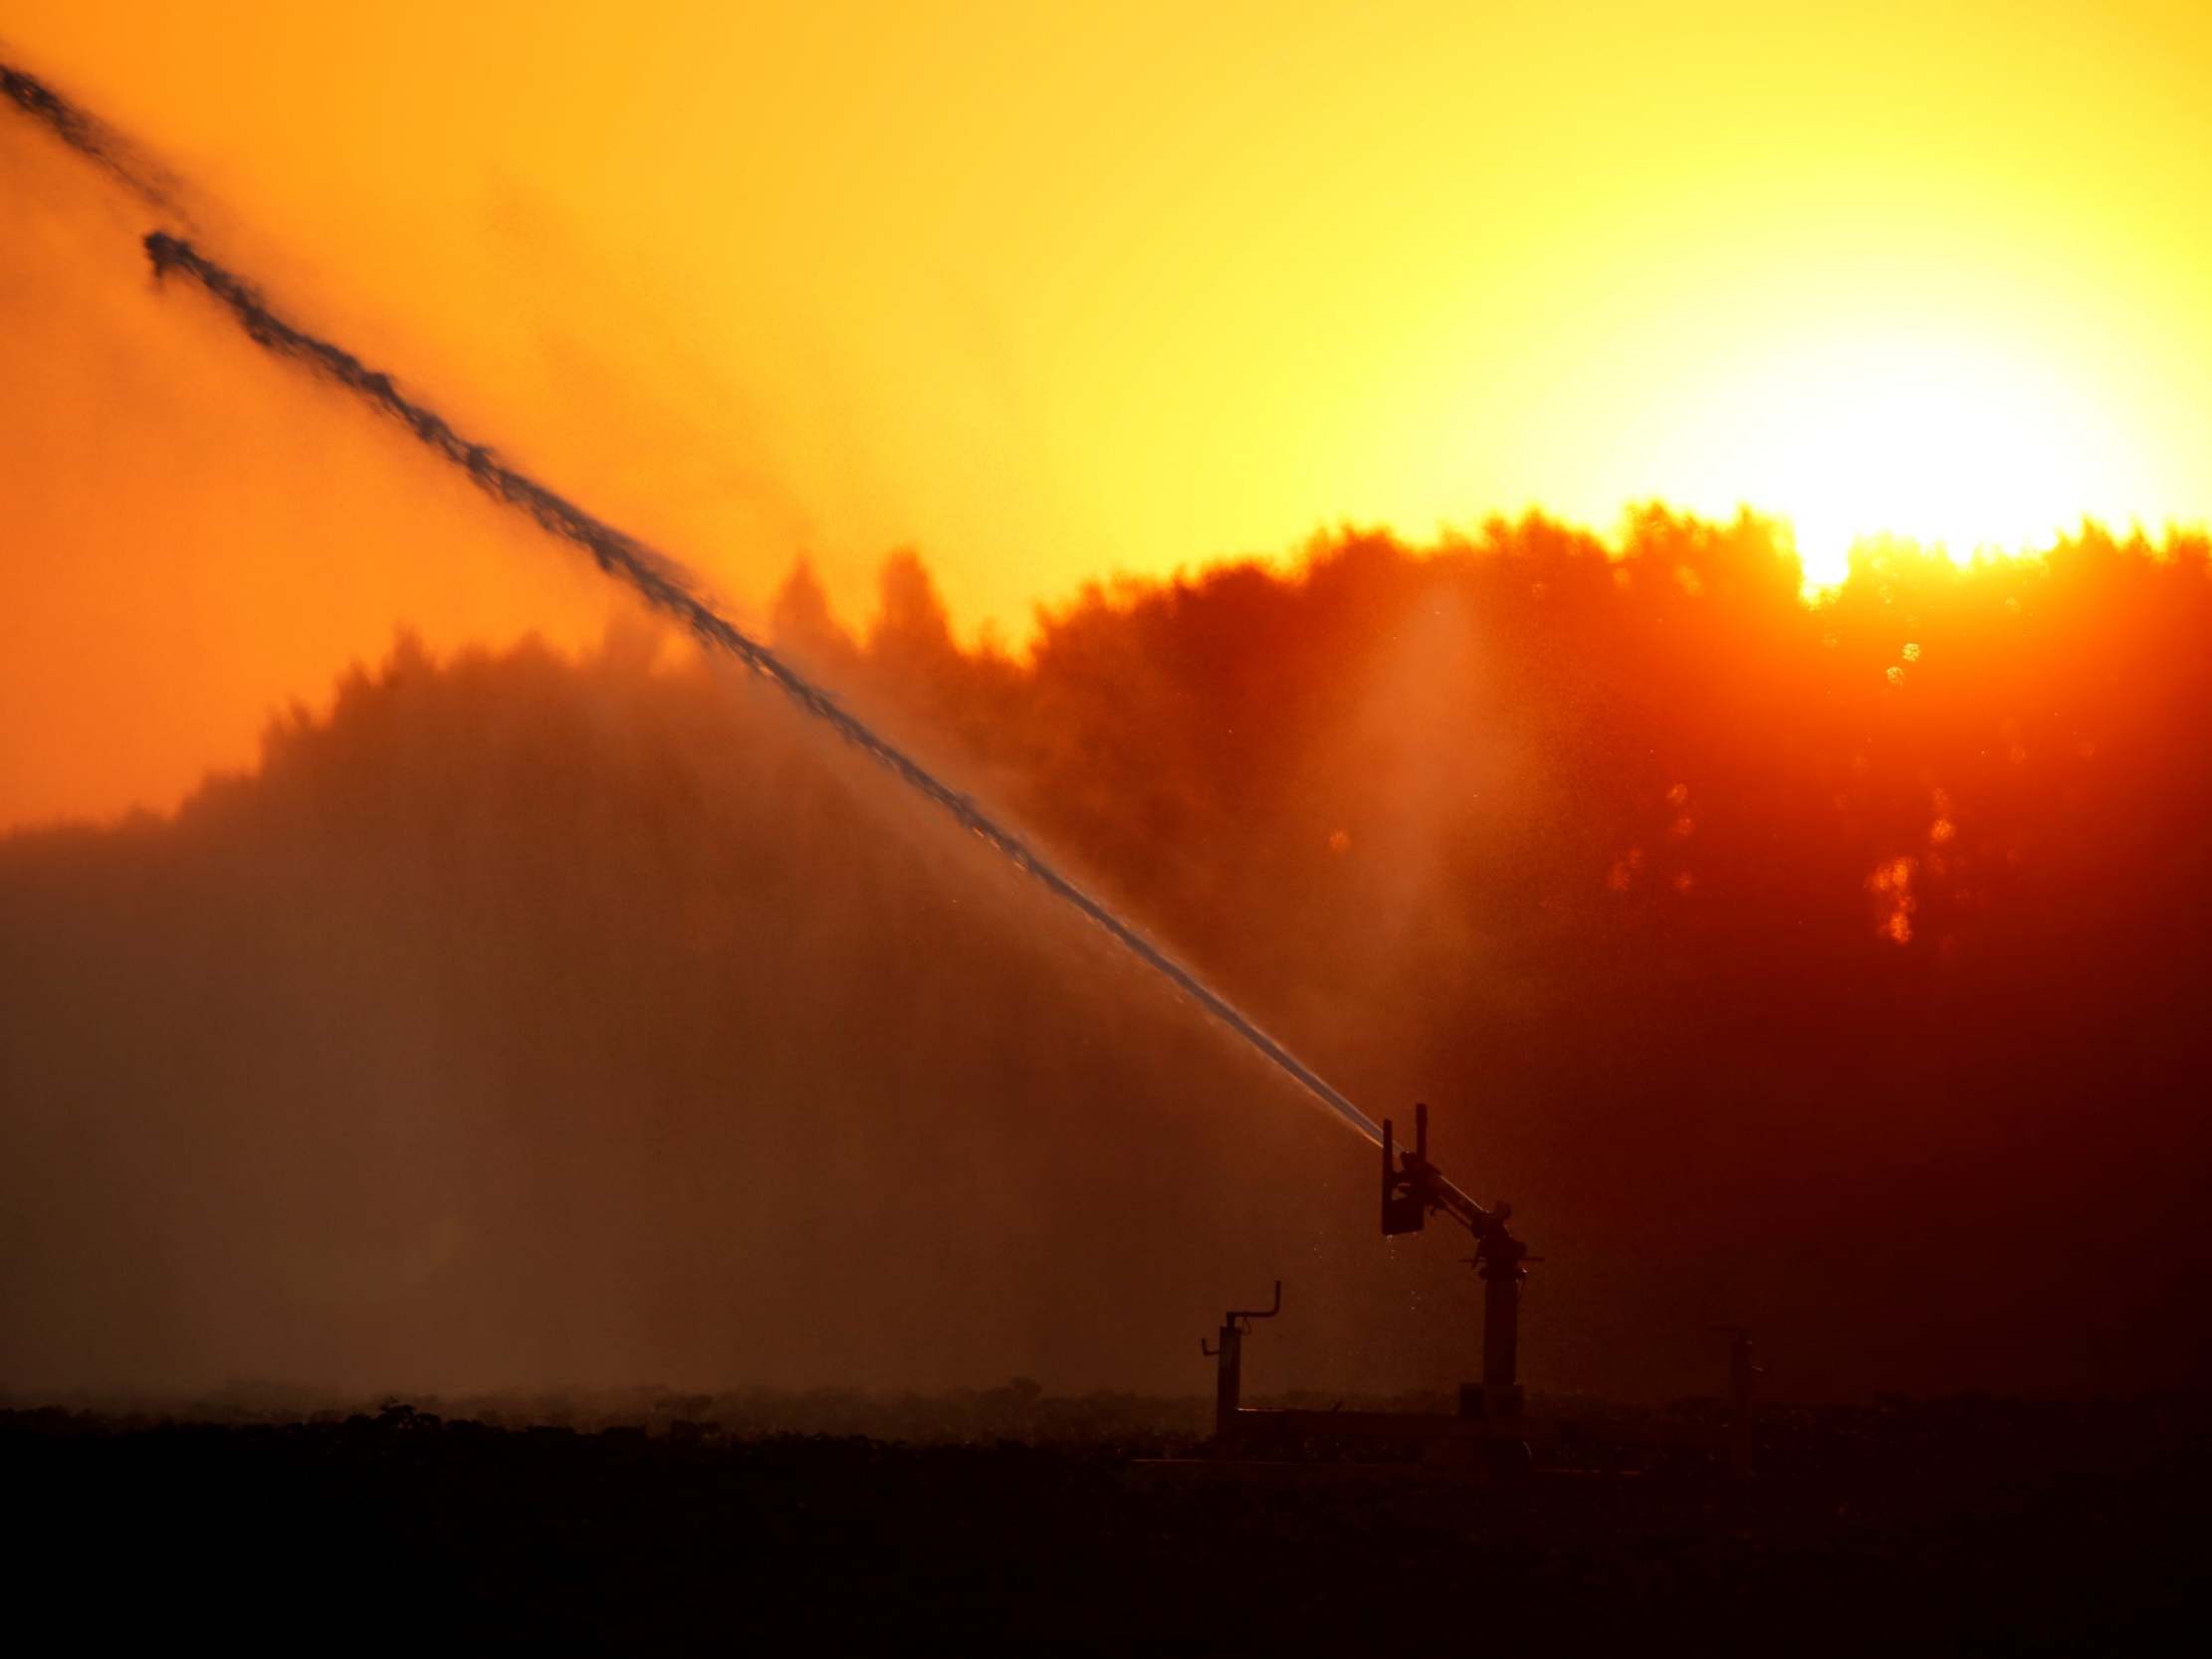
[
  {"x": 1263, "y": 828},
  {"x": 1052, "y": 295},
  {"x": 423, "y": 967},
  {"x": 535, "y": 1017}
]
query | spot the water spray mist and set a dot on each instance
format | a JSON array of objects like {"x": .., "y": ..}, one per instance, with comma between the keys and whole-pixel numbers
[
  {"x": 668, "y": 588},
  {"x": 660, "y": 581}
]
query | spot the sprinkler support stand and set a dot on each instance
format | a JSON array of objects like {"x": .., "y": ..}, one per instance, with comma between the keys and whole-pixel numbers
[
  {"x": 1228, "y": 1357},
  {"x": 1487, "y": 1426}
]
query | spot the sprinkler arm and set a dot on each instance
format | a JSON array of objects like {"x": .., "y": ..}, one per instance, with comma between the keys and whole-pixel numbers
[
  {"x": 1412, "y": 1187},
  {"x": 1242, "y": 1317},
  {"x": 1238, "y": 1322}
]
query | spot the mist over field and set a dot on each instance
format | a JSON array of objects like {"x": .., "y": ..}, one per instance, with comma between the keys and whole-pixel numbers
[{"x": 1833, "y": 969}]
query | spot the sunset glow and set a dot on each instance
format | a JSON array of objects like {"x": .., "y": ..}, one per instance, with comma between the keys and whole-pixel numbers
[
  {"x": 1053, "y": 293},
  {"x": 1940, "y": 441},
  {"x": 743, "y": 748}
]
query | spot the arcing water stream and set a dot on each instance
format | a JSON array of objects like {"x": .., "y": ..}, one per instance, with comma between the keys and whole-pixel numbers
[
  {"x": 662, "y": 584},
  {"x": 668, "y": 588}
]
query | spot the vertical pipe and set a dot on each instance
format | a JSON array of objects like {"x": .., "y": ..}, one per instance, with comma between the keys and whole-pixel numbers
[
  {"x": 1501, "y": 1323},
  {"x": 1229, "y": 1380}
]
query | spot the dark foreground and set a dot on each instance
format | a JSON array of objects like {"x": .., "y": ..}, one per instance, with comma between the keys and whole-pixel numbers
[{"x": 1974, "y": 1526}]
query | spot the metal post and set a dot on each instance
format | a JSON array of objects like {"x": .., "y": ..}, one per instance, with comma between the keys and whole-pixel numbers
[
  {"x": 1498, "y": 1259},
  {"x": 1502, "y": 1327},
  {"x": 1229, "y": 1363},
  {"x": 1228, "y": 1379}
]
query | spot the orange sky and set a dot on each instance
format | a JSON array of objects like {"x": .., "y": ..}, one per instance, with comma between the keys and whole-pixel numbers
[{"x": 1050, "y": 292}]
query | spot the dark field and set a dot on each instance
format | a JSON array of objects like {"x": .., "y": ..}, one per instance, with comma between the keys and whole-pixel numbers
[{"x": 1962, "y": 1526}]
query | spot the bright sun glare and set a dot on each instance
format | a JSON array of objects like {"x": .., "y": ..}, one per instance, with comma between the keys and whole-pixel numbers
[{"x": 1941, "y": 441}]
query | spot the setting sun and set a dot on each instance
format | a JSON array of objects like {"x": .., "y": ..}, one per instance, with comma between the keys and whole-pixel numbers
[{"x": 1941, "y": 440}]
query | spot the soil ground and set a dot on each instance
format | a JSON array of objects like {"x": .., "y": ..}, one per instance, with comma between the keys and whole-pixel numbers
[{"x": 1964, "y": 1526}]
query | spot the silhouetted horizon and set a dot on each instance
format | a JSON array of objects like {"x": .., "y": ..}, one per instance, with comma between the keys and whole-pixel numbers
[{"x": 1820, "y": 967}]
